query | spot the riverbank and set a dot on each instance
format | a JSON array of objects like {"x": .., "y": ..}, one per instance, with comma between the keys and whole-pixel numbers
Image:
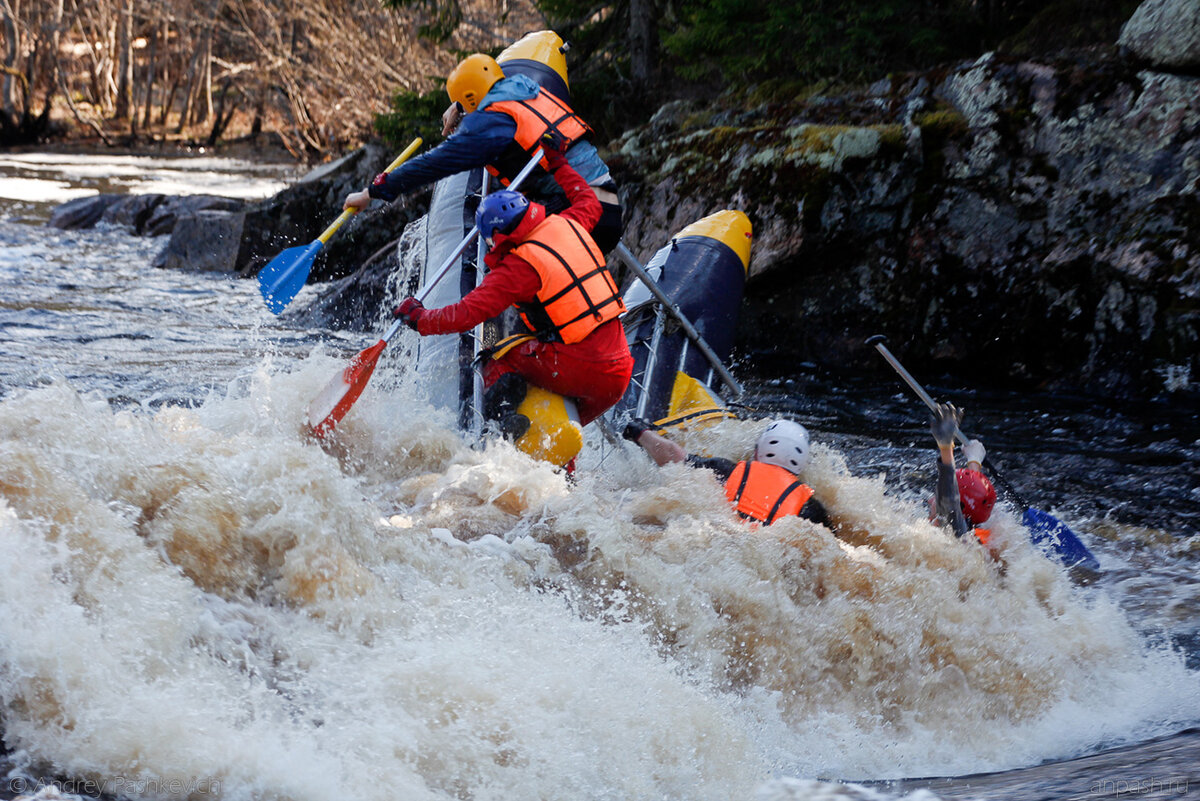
[{"x": 266, "y": 148}]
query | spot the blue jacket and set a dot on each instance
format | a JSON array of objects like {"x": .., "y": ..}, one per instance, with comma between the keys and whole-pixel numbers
[{"x": 481, "y": 138}]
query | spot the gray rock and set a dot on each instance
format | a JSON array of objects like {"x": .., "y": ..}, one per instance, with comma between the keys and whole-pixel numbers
[
  {"x": 1166, "y": 33},
  {"x": 164, "y": 215},
  {"x": 132, "y": 211},
  {"x": 1042, "y": 229},
  {"x": 206, "y": 240},
  {"x": 149, "y": 215},
  {"x": 82, "y": 212}
]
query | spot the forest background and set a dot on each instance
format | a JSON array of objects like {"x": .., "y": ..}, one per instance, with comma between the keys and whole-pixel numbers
[{"x": 316, "y": 77}]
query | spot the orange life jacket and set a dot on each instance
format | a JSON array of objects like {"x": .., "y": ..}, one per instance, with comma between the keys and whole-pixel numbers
[
  {"x": 983, "y": 535},
  {"x": 536, "y": 117},
  {"x": 765, "y": 492},
  {"x": 577, "y": 294}
]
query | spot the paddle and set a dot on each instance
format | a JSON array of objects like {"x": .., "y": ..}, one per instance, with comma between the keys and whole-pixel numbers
[
  {"x": 287, "y": 273},
  {"x": 1045, "y": 529},
  {"x": 331, "y": 405}
]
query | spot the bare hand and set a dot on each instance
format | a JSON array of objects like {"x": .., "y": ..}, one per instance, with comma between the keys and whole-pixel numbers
[
  {"x": 451, "y": 118},
  {"x": 357, "y": 200}
]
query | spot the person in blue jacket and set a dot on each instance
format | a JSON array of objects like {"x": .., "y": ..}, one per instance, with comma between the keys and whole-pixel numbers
[{"x": 499, "y": 122}]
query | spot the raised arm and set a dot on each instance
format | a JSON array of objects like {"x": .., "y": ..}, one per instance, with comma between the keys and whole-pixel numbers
[
  {"x": 584, "y": 208},
  {"x": 942, "y": 423}
]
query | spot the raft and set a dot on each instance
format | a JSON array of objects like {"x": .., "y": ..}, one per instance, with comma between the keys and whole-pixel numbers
[
  {"x": 676, "y": 375},
  {"x": 702, "y": 269},
  {"x": 680, "y": 323}
]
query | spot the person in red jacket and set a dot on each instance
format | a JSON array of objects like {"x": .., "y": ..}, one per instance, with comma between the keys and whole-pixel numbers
[
  {"x": 550, "y": 269},
  {"x": 761, "y": 490}
]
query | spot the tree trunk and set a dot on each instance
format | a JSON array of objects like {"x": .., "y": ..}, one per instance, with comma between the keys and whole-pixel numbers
[
  {"x": 206, "y": 105},
  {"x": 169, "y": 101},
  {"x": 226, "y": 108},
  {"x": 203, "y": 106},
  {"x": 151, "y": 68},
  {"x": 106, "y": 77},
  {"x": 643, "y": 41},
  {"x": 189, "y": 93},
  {"x": 124, "y": 109},
  {"x": 12, "y": 49},
  {"x": 168, "y": 94},
  {"x": 259, "y": 109},
  {"x": 53, "y": 36}
]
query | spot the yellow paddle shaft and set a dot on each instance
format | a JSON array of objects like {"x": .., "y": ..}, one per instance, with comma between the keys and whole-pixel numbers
[{"x": 348, "y": 213}]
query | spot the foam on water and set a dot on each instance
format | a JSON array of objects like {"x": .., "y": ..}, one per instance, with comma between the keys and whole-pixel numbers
[
  {"x": 49, "y": 178},
  {"x": 208, "y": 594}
]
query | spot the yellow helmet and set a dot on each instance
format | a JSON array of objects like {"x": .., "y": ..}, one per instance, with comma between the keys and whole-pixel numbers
[{"x": 472, "y": 79}]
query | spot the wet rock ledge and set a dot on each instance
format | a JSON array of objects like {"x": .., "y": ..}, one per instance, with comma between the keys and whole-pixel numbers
[
  {"x": 1015, "y": 223},
  {"x": 1010, "y": 222}
]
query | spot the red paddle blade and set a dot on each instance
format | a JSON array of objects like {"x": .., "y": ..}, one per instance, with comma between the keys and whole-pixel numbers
[{"x": 327, "y": 409}]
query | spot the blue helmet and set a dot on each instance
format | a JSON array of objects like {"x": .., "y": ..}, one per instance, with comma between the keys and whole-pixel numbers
[{"x": 500, "y": 211}]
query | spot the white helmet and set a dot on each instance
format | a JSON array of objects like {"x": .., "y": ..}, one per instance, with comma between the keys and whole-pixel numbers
[{"x": 785, "y": 444}]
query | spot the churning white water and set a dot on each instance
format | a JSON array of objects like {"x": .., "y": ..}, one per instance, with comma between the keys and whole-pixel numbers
[{"x": 199, "y": 599}]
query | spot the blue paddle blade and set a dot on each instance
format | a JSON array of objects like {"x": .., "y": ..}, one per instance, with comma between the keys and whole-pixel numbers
[
  {"x": 1053, "y": 536},
  {"x": 286, "y": 275}
]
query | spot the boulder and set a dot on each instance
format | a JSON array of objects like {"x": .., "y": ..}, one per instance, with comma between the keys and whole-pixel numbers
[
  {"x": 207, "y": 240},
  {"x": 1011, "y": 222},
  {"x": 82, "y": 212},
  {"x": 132, "y": 211},
  {"x": 164, "y": 216},
  {"x": 1165, "y": 33}
]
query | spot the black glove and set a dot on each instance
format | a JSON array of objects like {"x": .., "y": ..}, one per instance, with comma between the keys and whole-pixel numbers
[
  {"x": 554, "y": 148},
  {"x": 634, "y": 429},
  {"x": 410, "y": 311},
  {"x": 943, "y": 422}
]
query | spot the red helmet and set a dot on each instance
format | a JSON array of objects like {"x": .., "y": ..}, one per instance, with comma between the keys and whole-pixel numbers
[{"x": 977, "y": 494}]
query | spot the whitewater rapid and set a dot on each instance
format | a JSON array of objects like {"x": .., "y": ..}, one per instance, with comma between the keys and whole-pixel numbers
[
  {"x": 206, "y": 593},
  {"x": 199, "y": 600}
]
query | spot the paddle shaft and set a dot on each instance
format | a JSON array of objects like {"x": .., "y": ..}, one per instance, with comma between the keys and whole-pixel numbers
[
  {"x": 341, "y": 393},
  {"x": 877, "y": 341},
  {"x": 632, "y": 263},
  {"x": 287, "y": 273},
  {"x": 348, "y": 213},
  {"x": 424, "y": 291}
]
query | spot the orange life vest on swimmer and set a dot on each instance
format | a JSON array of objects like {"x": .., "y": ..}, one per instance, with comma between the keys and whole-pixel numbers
[
  {"x": 536, "y": 117},
  {"x": 578, "y": 294},
  {"x": 765, "y": 492}
]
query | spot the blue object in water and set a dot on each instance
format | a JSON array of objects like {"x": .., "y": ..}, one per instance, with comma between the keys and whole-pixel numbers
[
  {"x": 1053, "y": 536},
  {"x": 286, "y": 275}
]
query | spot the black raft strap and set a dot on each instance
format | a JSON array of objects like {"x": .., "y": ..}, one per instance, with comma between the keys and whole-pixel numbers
[
  {"x": 592, "y": 307},
  {"x": 782, "y": 497},
  {"x": 566, "y": 113},
  {"x": 737, "y": 495}
]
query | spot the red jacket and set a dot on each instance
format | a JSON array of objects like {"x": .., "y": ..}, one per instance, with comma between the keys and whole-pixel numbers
[{"x": 510, "y": 278}]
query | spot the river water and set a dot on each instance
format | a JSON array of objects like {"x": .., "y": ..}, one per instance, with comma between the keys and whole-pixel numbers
[{"x": 198, "y": 600}]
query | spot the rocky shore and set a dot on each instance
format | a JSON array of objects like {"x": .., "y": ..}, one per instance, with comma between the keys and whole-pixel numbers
[{"x": 1019, "y": 223}]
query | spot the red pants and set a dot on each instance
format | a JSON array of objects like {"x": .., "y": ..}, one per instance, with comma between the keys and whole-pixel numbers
[{"x": 594, "y": 373}]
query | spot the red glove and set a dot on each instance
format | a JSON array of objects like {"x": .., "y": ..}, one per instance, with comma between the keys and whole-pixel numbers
[{"x": 410, "y": 311}]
